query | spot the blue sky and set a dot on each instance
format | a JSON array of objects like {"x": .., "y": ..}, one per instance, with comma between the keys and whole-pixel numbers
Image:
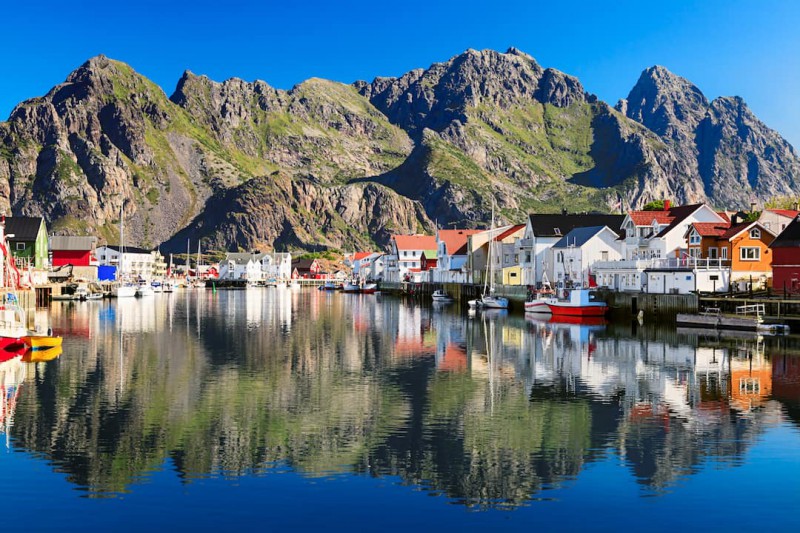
[{"x": 732, "y": 47}]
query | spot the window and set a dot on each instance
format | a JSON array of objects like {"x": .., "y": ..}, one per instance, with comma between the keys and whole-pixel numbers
[
  {"x": 604, "y": 255},
  {"x": 20, "y": 246},
  {"x": 755, "y": 233},
  {"x": 712, "y": 253},
  {"x": 723, "y": 252},
  {"x": 694, "y": 252},
  {"x": 694, "y": 237},
  {"x": 749, "y": 253},
  {"x": 557, "y": 231}
]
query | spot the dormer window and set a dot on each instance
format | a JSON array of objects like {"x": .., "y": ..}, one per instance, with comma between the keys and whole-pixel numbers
[
  {"x": 755, "y": 233},
  {"x": 694, "y": 237},
  {"x": 557, "y": 231}
]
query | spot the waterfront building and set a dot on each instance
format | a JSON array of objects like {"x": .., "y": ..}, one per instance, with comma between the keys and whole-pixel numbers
[
  {"x": 277, "y": 265},
  {"x": 451, "y": 256},
  {"x": 776, "y": 220},
  {"x": 506, "y": 256},
  {"x": 27, "y": 241},
  {"x": 786, "y": 259},
  {"x": 571, "y": 259},
  {"x": 131, "y": 261},
  {"x": 743, "y": 247},
  {"x": 656, "y": 257},
  {"x": 542, "y": 231},
  {"x": 306, "y": 268},
  {"x": 403, "y": 261}
]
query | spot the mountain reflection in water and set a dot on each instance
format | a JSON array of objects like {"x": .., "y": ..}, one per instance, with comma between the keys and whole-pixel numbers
[{"x": 489, "y": 410}]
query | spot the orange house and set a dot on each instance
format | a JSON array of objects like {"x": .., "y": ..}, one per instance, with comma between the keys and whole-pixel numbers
[{"x": 744, "y": 247}]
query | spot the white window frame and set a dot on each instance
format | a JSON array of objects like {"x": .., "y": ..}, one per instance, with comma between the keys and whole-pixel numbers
[
  {"x": 755, "y": 233},
  {"x": 723, "y": 252},
  {"x": 694, "y": 237},
  {"x": 20, "y": 246},
  {"x": 713, "y": 252},
  {"x": 756, "y": 256}
]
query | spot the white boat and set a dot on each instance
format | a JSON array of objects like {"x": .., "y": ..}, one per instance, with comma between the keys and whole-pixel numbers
[
  {"x": 369, "y": 288},
  {"x": 489, "y": 300},
  {"x": 351, "y": 286},
  {"x": 538, "y": 304},
  {"x": 124, "y": 290},
  {"x": 157, "y": 286},
  {"x": 441, "y": 296},
  {"x": 144, "y": 290}
]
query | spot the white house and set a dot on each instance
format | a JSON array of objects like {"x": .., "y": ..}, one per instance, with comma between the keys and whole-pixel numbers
[
  {"x": 571, "y": 259},
  {"x": 241, "y": 266},
  {"x": 656, "y": 257},
  {"x": 452, "y": 255},
  {"x": 368, "y": 266},
  {"x": 403, "y": 263},
  {"x": 276, "y": 266},
  {"x": 542, "y": 231},
  {"x": 131, "y": 261},
  {"x": 776, "y": 220}
]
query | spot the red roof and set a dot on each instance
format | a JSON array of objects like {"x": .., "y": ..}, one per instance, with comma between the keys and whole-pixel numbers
[
  {"x": 725, "y": 216},
  {"x": 645, "y": 218},
  {"x": 361, "y": 255},
  {"x": 709, "y": 229},
  {"x": 455, "y": 240},
  {"x": 510, "y": 231},
  {"x": 790, "y": 213},
  {"x": 415, "y": 242}
]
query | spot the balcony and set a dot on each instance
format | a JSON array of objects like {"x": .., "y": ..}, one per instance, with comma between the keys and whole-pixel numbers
[
  {"x": 684, "y": 263},
  {"x": 525, "y": 244}
]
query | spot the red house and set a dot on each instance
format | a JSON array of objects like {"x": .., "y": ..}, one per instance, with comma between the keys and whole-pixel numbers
[
  {"x": 306, "y": 268},
  {"x": 428, "y": 260},
  {"x": 786, "y": 259},
  {"x": 69, "y": 250}
]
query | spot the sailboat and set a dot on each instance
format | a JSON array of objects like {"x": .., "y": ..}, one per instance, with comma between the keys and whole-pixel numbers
[
  {"x": 123, "y": 289},
  {"x": 489, "y": 300}
]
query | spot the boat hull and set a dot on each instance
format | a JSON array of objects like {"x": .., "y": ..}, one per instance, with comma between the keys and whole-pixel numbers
[
  {"x": 537, "y": 306},
  {"x": 578, "y": 310}
]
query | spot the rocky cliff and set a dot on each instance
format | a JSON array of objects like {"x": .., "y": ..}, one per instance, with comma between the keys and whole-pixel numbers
[{"x": 245, "y": 165}]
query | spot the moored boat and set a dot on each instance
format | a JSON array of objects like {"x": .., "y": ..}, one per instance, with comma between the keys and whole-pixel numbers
[
  {"x": 577, "y": 302},
  {"x": 538, "y": 304},
  {"x": 369, "y": 288},
  {"x": 440, "y": 295},
  {"x": 351, "y": 287}
]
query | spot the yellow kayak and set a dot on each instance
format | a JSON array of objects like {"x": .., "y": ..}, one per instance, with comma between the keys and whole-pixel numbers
[
  {"x": 41, "y": 355},
  {"x": 42, "y": 342}
]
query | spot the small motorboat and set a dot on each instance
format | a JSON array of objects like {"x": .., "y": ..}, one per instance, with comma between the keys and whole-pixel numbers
[
  {"x": 351, "y": 287},
  {"x": 577, "y": 302},
  {"x": 538, "y": 304},
  {"x": 145, "y": 290},
  {"x": 440, "y": 295},
  {"x": 124, "y": 291},
  {"x": 369, "y": 288}
]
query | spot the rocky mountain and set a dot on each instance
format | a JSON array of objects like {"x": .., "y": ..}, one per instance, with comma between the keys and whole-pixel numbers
[
  {"x": 737, "y": 158},
  {"x": 244, "y": 165}
]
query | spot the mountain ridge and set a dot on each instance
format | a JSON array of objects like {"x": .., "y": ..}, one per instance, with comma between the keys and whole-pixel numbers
[{"x": 431, "y": 144}]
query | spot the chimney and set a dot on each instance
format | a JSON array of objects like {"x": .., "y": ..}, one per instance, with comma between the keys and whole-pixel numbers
[
  {"x": 752, "y": 207},
  {"x": 667, "y": 205},
  {"x": 795, "y": 206}
]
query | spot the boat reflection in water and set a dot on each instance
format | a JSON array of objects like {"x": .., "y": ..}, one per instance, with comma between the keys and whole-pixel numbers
[{"x": 489, "y": 410}]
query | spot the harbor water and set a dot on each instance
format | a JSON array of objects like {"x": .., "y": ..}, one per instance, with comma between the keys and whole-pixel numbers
[{"x": 274, "y": 408}]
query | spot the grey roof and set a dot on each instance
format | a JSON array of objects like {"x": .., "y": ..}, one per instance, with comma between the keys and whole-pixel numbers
[
  {"x": 23, "y": 228},
  {"x": 69, "y": 242},
  {"x": 127, "y": 249},
  {"x": 579, "y": 236},
  {"x": 558, "y": 225},
  {"x": 243, "y": 258}
]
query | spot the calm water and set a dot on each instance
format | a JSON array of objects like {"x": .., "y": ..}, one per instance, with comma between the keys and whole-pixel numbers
[{"x": 275, "y": 409}]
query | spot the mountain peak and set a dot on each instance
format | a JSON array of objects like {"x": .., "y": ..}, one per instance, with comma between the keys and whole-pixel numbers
[{"x": 666, "y": 103}]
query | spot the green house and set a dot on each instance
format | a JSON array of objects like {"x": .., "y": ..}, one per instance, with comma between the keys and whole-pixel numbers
[{"x": 27, "y": 241}]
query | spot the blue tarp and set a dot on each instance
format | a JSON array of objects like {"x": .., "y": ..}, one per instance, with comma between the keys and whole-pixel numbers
[{"x": 106, "y": 273}]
